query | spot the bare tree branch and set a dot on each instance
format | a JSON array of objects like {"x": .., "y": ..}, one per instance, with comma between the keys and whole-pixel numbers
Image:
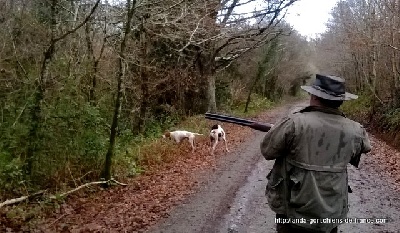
[{"x": 79, "y": 25}]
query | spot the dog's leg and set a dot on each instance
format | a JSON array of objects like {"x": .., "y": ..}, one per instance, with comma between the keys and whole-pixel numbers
[
  {"x": 191, "y": 141},
  {"x": 213, "y": 148},
  {"x": 226, "y": 146},
  {"x": 210, "y": 144}
]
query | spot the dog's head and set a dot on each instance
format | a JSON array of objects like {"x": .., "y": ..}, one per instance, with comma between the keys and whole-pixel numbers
[
  {"x": 214, "y": 134},
  {"x": 215, "y": 127},
  {"x": 167, "y": 135}
]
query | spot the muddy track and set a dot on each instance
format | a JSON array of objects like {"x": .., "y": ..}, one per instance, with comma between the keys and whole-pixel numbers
[{"x": 231, "y": 197}]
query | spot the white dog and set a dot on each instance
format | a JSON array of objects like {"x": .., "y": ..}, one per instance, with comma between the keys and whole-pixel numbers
[
  {"x": 217, "y": 134},
  {"x": 179, "y": 135}
]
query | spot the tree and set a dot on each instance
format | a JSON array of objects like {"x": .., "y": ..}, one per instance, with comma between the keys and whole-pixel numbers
[
  {"x": 264, "y": 67},
  {"x": 130, "y": 9}
]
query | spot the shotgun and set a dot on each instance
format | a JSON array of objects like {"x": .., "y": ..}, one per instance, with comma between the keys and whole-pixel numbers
[{"x": 264, "y": 127}]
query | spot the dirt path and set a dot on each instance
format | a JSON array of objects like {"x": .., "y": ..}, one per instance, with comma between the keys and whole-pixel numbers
[{"x": 231, "y": 197}]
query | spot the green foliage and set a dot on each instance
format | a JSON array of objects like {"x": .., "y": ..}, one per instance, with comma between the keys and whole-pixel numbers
[
  {"x": 384, "y": 118},
  {"x": 76, "y": 136},
  {"x": 265, "y": 71},
  {"x": 195, "y": 124},
  {"x": 358, "y": 109},
  {"x": 257, "y": 105},
  {"x": 11, "y": 175},
  {"x": 126, "y": 162},
  {"x": 391, "y": 119},
  {"x": 129, "y": 148},
  {"x": 222, "y": 93},
  {"x": 155, "y": 125}
]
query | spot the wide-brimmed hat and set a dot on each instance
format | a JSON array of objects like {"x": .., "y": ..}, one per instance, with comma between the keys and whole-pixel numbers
[{"x": 330, "y": 88}]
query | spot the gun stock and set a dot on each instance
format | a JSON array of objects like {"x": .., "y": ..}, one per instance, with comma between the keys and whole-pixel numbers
[{"x": 239, "y": 121}]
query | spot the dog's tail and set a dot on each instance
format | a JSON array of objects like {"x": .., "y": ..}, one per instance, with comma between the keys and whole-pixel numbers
[{"x": 198, "y": 134}]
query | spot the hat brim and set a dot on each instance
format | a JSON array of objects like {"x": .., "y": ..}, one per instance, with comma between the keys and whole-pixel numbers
[{"x": 323, "y": 95}]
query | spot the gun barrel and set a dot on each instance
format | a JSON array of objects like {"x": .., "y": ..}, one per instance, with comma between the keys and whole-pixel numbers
[
  {"x": 227, "y": 120},
  {"x": 226, "y": 117},
  {"x": 239, "y": 121}
]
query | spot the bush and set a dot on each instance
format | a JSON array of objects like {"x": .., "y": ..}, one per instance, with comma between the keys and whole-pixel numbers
[
  {"x": 358, "y": 109},
  {"x": 257, "y": 104},
  {"x": 391, "y": 119},
  {"x": 388, "y": 118},
  {"x": 12, "y": 181}
]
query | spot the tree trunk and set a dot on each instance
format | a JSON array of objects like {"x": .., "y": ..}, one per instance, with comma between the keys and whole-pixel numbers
[
  {"x": 250, "y": 92},
  {"x": 206, "y": 66},
  {"x": 106, "y": 174},
  {"x": 374, "y": 61},
  {"x": 212, "y": 102},
  {"x": 94, "y": 67},
  {"x": 36, "y": 110},
  {"x": 144, "y": 86},
  {"x": 248, "y": 100},
  {"x": 141, "y": 119}
]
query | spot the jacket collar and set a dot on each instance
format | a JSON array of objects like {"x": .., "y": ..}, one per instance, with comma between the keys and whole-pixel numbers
[{"x": 323, "y": 109}]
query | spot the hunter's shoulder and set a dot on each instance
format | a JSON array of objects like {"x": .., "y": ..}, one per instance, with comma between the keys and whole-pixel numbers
[
  {"x": 297, "y": 109},
  {"x": 296, "y": 113}
]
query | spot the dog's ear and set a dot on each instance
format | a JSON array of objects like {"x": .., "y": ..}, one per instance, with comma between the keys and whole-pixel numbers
[{"x": 166, "y": 135}]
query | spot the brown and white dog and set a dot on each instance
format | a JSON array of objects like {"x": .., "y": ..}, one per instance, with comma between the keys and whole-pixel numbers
[
  {"x": 179, "y": 135},
  {"x": 217, "y": 134}
]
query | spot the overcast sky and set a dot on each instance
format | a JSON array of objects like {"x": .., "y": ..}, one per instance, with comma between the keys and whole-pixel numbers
[{"x": 309, "y": 16}]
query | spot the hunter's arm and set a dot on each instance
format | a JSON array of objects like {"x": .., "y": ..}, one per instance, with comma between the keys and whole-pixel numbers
[
  {"x": 365, "y": 148},
  {"x": 261, "y": 127},
  {"x": 277, "y": 140}
]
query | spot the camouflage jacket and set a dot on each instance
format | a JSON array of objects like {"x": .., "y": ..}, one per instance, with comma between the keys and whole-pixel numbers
[{"x": 312, "y": 148}]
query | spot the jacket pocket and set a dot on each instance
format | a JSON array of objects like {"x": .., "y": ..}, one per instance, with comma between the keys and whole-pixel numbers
[
  {"x": 298, "y": 195},
  {"x": 274, "y": 191}
]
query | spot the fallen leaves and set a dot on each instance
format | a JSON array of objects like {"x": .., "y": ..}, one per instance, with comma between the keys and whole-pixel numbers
[{"x": 386, "y": 160}]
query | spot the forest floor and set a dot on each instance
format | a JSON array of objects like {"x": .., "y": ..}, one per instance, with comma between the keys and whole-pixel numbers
[{"x": 222, "y": 193}]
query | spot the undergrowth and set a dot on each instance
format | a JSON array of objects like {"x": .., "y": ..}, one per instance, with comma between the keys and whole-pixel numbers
[
  {"x": 358, "y": 109},
  {"x": 383, "y": 120},
  {"x": 147, "y": 151},
  {"x": 258, "y": 104}
]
